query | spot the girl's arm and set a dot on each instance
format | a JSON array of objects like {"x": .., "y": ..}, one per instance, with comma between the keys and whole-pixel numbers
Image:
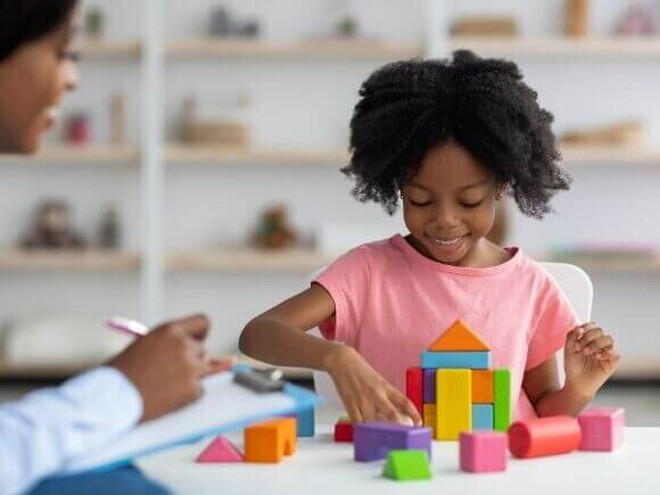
[
  {"x": 279, "y": 336},
  {"x": 589, "y": 360}
]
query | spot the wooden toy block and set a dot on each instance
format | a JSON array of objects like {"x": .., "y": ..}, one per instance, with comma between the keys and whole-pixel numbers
[
  {"x": 602, "y": 428},
  {"x": 429, "y": 417},
  {"x": 482, "y": 417},
  {"x": 502, "y": 399},
  {"x": 407, "y": 465},
  {"x": 373, "y": 441},
  {"x": 544, "y": 436},
  {"x": 457, "y": 360},
  {"x": 454, "y": 403},
  {"x": 415, "y": 387},
  {"x": 482, "y": 387},
  {"x": 429, "y": 386},
  {"x": 305, "y": 422},
  {"x": 459, "y": 337},
  {"x": 483, "y": 451},
  {"x": 220, "y": 450},
  {"x": 270, "y": 441},
  {"x": 343, "y": 430}
]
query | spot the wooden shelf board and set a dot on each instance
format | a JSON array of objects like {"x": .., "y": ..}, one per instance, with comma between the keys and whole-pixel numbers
[
  {"x": 105, "y": 49},
  {"x": 227, "y": 155},
  {"x": 96, "y": 154},
  {"x": 69, "y": 260},
  {"x": 559, "y": 46},
  {"x": 603, "y": 155},
  {"x": 291, "y": 260},
  {"x": 350, "y": 49}
]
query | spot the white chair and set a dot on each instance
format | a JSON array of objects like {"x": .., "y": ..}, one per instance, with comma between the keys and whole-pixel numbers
[{"x": 575, "y": 283}]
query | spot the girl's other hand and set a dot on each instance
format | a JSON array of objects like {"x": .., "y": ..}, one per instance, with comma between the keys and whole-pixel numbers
[{"x": 589, "y": 358}]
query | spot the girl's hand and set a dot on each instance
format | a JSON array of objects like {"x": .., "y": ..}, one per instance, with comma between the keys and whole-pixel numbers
[
  {"x": 589, "y": 358},
  {"x": 366, "y": 395}
]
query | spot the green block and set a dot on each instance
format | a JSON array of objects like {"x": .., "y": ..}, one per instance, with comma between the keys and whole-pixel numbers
[
  {"x": 502, "y": 397},
  {"x": 407, "y": 465}
]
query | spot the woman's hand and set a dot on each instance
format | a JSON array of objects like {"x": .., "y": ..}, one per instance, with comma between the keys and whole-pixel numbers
[
  {"x": 366, "y": 395},
  {"x": 589, "y": 358}
]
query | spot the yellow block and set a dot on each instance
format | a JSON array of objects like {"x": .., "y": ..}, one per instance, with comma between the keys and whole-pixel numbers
[
  {"x": 429, "y": 417},
  {"x": 453, "y": 392}
]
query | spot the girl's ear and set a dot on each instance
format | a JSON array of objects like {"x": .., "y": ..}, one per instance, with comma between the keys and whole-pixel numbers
[{"x": 499, "y": 191}]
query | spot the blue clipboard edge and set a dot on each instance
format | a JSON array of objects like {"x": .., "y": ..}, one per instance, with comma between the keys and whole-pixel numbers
[{"x": 304, "y": 398}]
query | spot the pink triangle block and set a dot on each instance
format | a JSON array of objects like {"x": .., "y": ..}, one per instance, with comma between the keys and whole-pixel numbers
[{"x": 220, "y": 450}]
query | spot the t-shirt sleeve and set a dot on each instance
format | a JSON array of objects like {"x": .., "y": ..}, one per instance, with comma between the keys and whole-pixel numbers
[
  {"x": 347, "y": 281},
  {"x": 557, "y": 318}
]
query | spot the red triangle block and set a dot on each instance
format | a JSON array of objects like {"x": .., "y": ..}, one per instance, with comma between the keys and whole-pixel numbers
[{"x": 220, "y": 450}]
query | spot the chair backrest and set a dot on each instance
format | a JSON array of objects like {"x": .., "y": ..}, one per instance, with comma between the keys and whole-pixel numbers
[{"x": 575, "y": 283}]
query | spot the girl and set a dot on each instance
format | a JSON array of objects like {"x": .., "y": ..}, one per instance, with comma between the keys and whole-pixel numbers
[{"x": 450, "y": 140}]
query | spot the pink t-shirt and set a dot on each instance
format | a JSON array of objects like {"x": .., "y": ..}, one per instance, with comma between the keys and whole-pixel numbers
[{"x": 392, "y": 302}]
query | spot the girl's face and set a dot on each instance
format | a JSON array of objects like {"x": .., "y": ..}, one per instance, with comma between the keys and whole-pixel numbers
[
  {"x": 33, "y": 81},
  {"x": 449, "y": 206}
]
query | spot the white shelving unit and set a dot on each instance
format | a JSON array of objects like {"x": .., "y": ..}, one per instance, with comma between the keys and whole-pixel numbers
[{"x": 170, "y": 259}]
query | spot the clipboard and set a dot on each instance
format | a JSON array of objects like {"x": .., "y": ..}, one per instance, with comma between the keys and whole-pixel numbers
[{"x": 224, "y": 406}]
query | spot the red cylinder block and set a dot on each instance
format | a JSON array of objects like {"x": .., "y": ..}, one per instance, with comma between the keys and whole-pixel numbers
[{"x": 544, "y": 436}]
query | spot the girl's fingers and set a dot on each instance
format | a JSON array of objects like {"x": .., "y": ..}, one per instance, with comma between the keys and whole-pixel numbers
[
  {"x": 589, "y": 336},
  {"x": 406, "y": 407},
  {"x": 603, "y": 342}
]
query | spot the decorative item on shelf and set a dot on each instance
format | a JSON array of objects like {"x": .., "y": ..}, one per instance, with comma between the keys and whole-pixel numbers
[
  {"x": 78, "y": 130},
  {"x": 118, "y": 119},
  {"x": 52, "y": 228},
  {"x": 640, "y": 19},
  {"x": 347, "y": 26},
  {"x": 231, "y": 131},
  {"x": 94, "y": 22},
  {"x": 222, "y": 24},
  {"x": 273, "y": 230},
  {"x": 110, "y": 229},
  {"x": 622, "y": 134},
  {"x": 577, "y": 18},
  {"x": 484, "y": 25}
]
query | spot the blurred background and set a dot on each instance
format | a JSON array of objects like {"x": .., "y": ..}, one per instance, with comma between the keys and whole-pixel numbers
[{"x": 196, "y": 168}]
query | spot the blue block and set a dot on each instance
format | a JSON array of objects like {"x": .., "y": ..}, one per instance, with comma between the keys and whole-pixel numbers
[
  {"x": 482, "y": 417},
  {"x": 306, "y": 422},
  {"x": 464, "y": 360}
]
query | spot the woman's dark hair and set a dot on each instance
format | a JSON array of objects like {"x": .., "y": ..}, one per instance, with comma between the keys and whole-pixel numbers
[
  {"x": 23, "y": 21},
  {"x": 409, "y": 107}
]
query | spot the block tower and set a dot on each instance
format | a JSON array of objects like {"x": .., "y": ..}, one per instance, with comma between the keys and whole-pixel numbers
[{"x": 455, "y": 388}]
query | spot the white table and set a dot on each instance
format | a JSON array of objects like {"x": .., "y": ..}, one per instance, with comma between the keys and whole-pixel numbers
[{"x": 323, "y": 467}]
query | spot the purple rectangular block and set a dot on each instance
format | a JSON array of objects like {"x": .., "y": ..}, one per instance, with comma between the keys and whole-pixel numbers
[
  {"x": 429, "y": 386},
  {"x": 373, "y": 441}
]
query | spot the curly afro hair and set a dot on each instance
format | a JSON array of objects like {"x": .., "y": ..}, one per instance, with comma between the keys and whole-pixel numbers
[{"x": 409, "y": 107}]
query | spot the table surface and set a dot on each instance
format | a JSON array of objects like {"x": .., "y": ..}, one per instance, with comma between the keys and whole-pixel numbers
[{"x": 322, "y": 466}]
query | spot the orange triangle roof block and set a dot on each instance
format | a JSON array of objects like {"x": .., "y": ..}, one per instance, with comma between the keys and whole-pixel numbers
[{"x": 459, "y": 337}]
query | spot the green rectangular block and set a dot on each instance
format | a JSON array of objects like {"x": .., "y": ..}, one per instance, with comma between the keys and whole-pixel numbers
[
  {"x": 502, "y": 398},
  {"x": 407, "y": 465}
]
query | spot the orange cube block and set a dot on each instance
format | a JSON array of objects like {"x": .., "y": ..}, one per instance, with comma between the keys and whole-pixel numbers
[
  {"x": 270, "y": 441},
  {"x": 482, "y": 387}
]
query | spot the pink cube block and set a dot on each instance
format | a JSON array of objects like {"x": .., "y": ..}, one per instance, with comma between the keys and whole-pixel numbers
[
  {"x": 602, "y": 428},
  {"x": 483, "y": 451}
]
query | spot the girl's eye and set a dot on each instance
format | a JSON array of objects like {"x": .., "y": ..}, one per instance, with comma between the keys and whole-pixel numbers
[
  {"x": 419, "y": 203},
  {"x": 72, "y": 55},
  {"x": 472, "y": 205}
]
